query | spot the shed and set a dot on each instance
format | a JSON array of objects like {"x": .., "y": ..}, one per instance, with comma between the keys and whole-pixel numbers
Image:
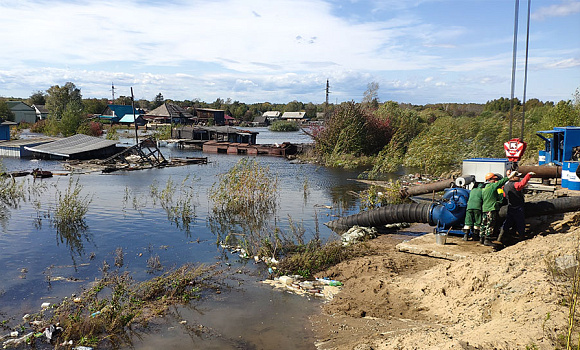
[
  {"x": 76, "y": 147},
  {"x": 205, "y": 115},
  {"x": 5, "y": 130},
  {"x": 17, "y": 148},
  {"x": 41, "y": 112},
  {"x": 169, "y": 113},
  {"x": 260, "y": 120},
  {"x": 22, "y": 112},
  {"x": 215, "y": 133}
]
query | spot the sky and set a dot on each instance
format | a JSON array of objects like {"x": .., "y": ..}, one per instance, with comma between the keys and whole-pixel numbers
[{"x": 418, "y": 51}]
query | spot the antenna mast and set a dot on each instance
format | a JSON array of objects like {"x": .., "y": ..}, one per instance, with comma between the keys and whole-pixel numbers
[{"x": 113, "y": 91}]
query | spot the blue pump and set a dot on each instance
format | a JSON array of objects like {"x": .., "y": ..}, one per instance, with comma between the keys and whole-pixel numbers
[{"x": 448, "y": 214}]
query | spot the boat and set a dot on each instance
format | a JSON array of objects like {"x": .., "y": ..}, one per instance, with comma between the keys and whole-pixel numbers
[{"x": 39, "y": 173}]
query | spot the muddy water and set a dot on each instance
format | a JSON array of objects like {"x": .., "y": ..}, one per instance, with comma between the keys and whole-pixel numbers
[{"x": 39, "y": 264}]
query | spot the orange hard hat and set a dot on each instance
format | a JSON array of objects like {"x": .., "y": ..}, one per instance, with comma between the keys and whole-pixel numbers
[{"x": 489, "y": 176}]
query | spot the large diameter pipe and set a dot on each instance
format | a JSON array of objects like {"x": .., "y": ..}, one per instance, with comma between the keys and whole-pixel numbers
[
  {"x": 542, "y": 171},
  {"x": 420, "y": 213},
  {"x": 391, "y": 214},
  {"x": 548, "y": 207},
  {"x": 426, "y": 188}
]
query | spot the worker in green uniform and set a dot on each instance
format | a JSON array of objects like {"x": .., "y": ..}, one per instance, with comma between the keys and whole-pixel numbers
[
  {"x": 492, "y": 200},
  {"x": 473, "y": 213}
]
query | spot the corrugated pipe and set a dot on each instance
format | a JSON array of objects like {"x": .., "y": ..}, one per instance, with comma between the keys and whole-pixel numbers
[
  {"x": 421, "y": 213},
  {"x": 548, "y": 207},
  {"x": 392, "y": 214}
]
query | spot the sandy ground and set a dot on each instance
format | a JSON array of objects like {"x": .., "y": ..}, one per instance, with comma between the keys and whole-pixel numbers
[{"x": 503, "y": 299}]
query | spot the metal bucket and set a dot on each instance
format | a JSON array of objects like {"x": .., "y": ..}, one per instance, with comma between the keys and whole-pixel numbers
[{"x": 440, "y": 238}]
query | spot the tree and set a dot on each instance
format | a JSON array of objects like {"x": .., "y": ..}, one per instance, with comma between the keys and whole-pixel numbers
[
  {"x": 71, "y": 119},
  {"x": 95, "y": 105},
  {"x": 37, "y": 98},
  {"x": 371, "y": 95},
  {"x": 158, "y": 101},
  {"x": 59, "y": 97},
  {"x": 5, "y": 112}
]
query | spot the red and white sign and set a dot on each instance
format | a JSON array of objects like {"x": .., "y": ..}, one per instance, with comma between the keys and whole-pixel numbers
[{"x": 514, "y": 149}]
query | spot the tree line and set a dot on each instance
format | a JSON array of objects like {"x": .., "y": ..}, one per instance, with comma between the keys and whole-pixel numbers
[{"x": 434, "y": 138}]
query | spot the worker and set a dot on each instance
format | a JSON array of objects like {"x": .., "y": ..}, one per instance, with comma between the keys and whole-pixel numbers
[
  {"x": 473, "y": 213},
  {"x": 492, "y": 200},
  {"x": 515, "y": 212}
]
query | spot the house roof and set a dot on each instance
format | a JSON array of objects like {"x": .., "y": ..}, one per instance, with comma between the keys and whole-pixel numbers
[
  {"x": 128, "y": 118},
  {"x": 169, "y": 110},
  {"x": 260, "y": 119},
  {"x": 73, "y": 145},
  {"x": 40, "y": 108},
  {"x": 120, "y": 110},
  {"x": 19, "y": 104},
  {"x": 7, "y": 122},
  {"x": 293, "y": 115},
  {"x": 271, "y": 114}
]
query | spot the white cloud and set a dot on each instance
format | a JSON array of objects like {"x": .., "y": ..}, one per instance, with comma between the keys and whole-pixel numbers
[{"x": 563, "y": 9}]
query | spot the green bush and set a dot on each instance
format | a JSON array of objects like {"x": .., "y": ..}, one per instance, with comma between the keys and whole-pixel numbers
[{"x": 284, "y": 125}]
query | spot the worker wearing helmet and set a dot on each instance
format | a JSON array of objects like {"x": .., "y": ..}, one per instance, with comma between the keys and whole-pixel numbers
[
  {"x": 492, "y": 200},
  {"x": 515, "y": 211}
]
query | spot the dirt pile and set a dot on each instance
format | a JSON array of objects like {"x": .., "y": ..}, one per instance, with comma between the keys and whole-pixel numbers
[{"x": 502, "y": 300}]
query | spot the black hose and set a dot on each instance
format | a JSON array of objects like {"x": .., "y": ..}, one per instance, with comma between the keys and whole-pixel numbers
[
  {"x": 391, "y": 214},
  {"x": 548, "y": 207}
]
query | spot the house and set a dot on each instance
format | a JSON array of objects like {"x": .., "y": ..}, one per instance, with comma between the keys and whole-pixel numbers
[
  {"x": 114, "y": 113},
  {"x": 229, "y": 120},
  {"x": 208, "y": 116},
  {"x": 215, "y": 133},
  {"x": 129, "y": 119},
  {"x": 169, "y": 113},
  {"x": 294, "y": 116},
  {"x": 271, "y": 115},
  {"x": 5, "y": 129},
  {"x": 23, "y": 113},
  {"x": 17, "y": 148},
  {"x": 76, "y": 147},
  {"x": 261, "y": 120},
  {"x": 41, "y": 112}
]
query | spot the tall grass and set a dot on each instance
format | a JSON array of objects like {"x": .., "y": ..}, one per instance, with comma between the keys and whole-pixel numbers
[
  {"x": 243, "y": 200},
  {"x": 178, "y": 201}
]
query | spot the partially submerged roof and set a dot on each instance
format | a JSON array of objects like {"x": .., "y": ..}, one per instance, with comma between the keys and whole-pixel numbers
[
  {"x": 128, "y": 118},
  {"x": 271, "y": 114},
  {"x": 70, "y": 146},
  {"x": 293, "y": 115},
  {"x": 169, "y": 110}
]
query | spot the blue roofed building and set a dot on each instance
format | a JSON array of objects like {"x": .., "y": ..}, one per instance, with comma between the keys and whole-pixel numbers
[{"x": 114, "y": 113}]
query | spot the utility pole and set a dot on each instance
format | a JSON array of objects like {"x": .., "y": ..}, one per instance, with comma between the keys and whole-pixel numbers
[
  {"x": 113, "y": 91},
  {"x": 134, "y": 117},
  {"x": 326, "y": 103}
]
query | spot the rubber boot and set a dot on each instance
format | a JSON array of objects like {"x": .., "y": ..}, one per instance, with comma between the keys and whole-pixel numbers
[
  {"x": 501, "y": 238},
  {"x": 481, "y": 238},
  {"x": 476, "y": 234},
  {"x": 487, "y": 242},
  {"x": 465, "y": 234}
]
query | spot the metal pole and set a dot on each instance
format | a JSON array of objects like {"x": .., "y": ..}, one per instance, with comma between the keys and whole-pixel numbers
[
  {"x": 526, "y": 71},
  {"x": 134, "y": 118},
  {"x": 515, "y": 49}
]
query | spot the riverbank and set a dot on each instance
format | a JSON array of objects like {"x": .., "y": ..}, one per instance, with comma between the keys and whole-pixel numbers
[{"x": 497, "y": 300}]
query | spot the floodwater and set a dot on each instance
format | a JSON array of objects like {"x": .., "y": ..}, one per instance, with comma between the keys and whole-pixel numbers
[{"x": 248, "y": 316}]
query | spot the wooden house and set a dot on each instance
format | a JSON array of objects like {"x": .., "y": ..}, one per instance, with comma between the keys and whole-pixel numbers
[
  {"x": 299, "y": 117},
  {"x": 169, "y": 113},
  {"x": 41, "y": 112},
  {"x": 22, "y": 112},
  {"x": 114, "y": 113},
  {"x": 208, "y": 116},
  {"x": 5, "y": 129}
]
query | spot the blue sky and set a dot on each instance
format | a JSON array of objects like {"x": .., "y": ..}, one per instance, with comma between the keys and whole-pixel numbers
[{"x": 419, "y": 51}]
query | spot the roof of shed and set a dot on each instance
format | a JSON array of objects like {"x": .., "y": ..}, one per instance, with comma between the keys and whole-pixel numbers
[
  {"x": 73, "y": 145},
  {"x": 293, "y": 115}
]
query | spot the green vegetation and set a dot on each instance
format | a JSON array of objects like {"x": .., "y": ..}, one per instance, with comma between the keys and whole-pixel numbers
[
  {"x": 243, "y": 200},
  {"x": 178, "y": 201},
  {"x": 434, "y": 138},
  {"x": 284, "y": 125},
  {"x": 115, "y": 306}
]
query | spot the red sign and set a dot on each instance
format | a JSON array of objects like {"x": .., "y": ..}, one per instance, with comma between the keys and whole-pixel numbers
[{"x": 514, "y": 149}]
